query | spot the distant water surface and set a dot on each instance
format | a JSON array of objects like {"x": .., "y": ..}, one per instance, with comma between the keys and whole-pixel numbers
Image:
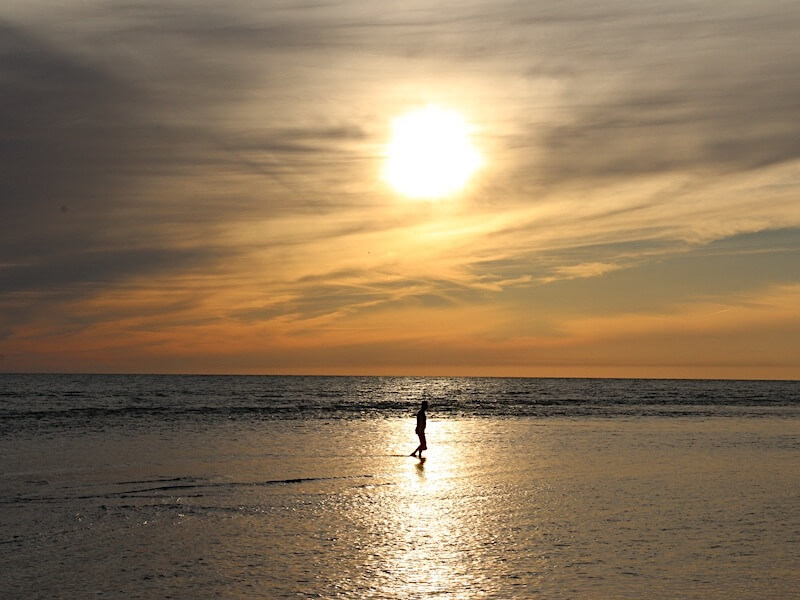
[
  {"x": 300, "y": 487},
  {"x": 90, "y": 401}
]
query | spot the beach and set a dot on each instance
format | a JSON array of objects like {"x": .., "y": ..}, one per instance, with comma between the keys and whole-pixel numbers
[{"x": 334, "y": 508}]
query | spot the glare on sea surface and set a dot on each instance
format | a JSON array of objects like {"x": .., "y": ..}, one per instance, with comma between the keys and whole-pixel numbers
[
  {"x": 430, "y": 154},
  {"x": 429, "y": 526}
]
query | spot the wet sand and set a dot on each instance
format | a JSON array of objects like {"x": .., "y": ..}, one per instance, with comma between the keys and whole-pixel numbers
[{"x": 500, "y": 508}]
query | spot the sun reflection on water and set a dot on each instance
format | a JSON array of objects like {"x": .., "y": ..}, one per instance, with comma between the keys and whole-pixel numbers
[{"x": 430, "y": 526}]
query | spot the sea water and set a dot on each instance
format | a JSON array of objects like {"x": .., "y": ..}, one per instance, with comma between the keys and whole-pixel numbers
[{"x": 301, "y": 487}]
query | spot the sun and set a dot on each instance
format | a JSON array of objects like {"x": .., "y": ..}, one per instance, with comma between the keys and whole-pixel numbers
[{"x": 430, "y": 154}]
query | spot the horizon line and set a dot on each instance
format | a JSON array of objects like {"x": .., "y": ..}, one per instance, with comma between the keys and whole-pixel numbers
[{"x": 388, "y": 376}]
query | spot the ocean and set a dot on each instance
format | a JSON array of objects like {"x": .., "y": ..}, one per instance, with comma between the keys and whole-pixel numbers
[{"x": 136, "y": 486}]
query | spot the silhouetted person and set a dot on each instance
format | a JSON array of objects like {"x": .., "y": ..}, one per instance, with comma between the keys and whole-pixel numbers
[{"x": 420, "y": 430}]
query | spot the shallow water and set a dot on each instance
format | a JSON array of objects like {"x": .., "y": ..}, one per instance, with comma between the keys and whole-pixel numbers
[{"x": 501, "y": 508}]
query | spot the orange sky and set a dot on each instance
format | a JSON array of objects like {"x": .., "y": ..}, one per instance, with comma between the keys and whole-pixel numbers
[{"x": 191, "y": 190}]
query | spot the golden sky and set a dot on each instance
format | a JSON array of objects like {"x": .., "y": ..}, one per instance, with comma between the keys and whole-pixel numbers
[{"x": 196, "y": 187}]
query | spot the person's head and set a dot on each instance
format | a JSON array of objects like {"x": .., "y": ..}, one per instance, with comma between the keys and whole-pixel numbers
[{"x": 424, "y": 405}]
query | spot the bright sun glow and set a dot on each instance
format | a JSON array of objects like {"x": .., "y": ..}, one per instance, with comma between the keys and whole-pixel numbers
[{"x": 430, "y": 154}]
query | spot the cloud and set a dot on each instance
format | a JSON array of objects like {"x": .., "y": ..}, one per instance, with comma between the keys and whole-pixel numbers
[
  {"x": 81, "y": 150},
  {"x": 222, "y": 162},
  {"x": 680, "y": 89},
  {"x": 64, "y": 125},
  {"x": 590, "y": 269},
  {"x": 95, "y": 165}
]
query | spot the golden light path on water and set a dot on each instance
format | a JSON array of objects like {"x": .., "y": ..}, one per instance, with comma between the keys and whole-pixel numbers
[
  {"x": 431, "y": 534},
  {"x": 435, "y": 529}
]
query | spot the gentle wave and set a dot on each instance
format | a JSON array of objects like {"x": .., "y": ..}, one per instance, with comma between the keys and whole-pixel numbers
[{"x": 91, "y": 401}]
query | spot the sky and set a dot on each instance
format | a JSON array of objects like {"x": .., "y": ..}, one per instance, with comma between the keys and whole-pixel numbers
[{"x": 195, "y": 187}]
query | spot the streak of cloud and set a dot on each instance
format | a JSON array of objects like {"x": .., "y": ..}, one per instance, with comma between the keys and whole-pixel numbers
[{"x": 223, "y": 163}]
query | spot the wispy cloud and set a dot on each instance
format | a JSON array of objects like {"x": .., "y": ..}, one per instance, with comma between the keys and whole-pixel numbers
[{"x": 223, "y": 164}]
